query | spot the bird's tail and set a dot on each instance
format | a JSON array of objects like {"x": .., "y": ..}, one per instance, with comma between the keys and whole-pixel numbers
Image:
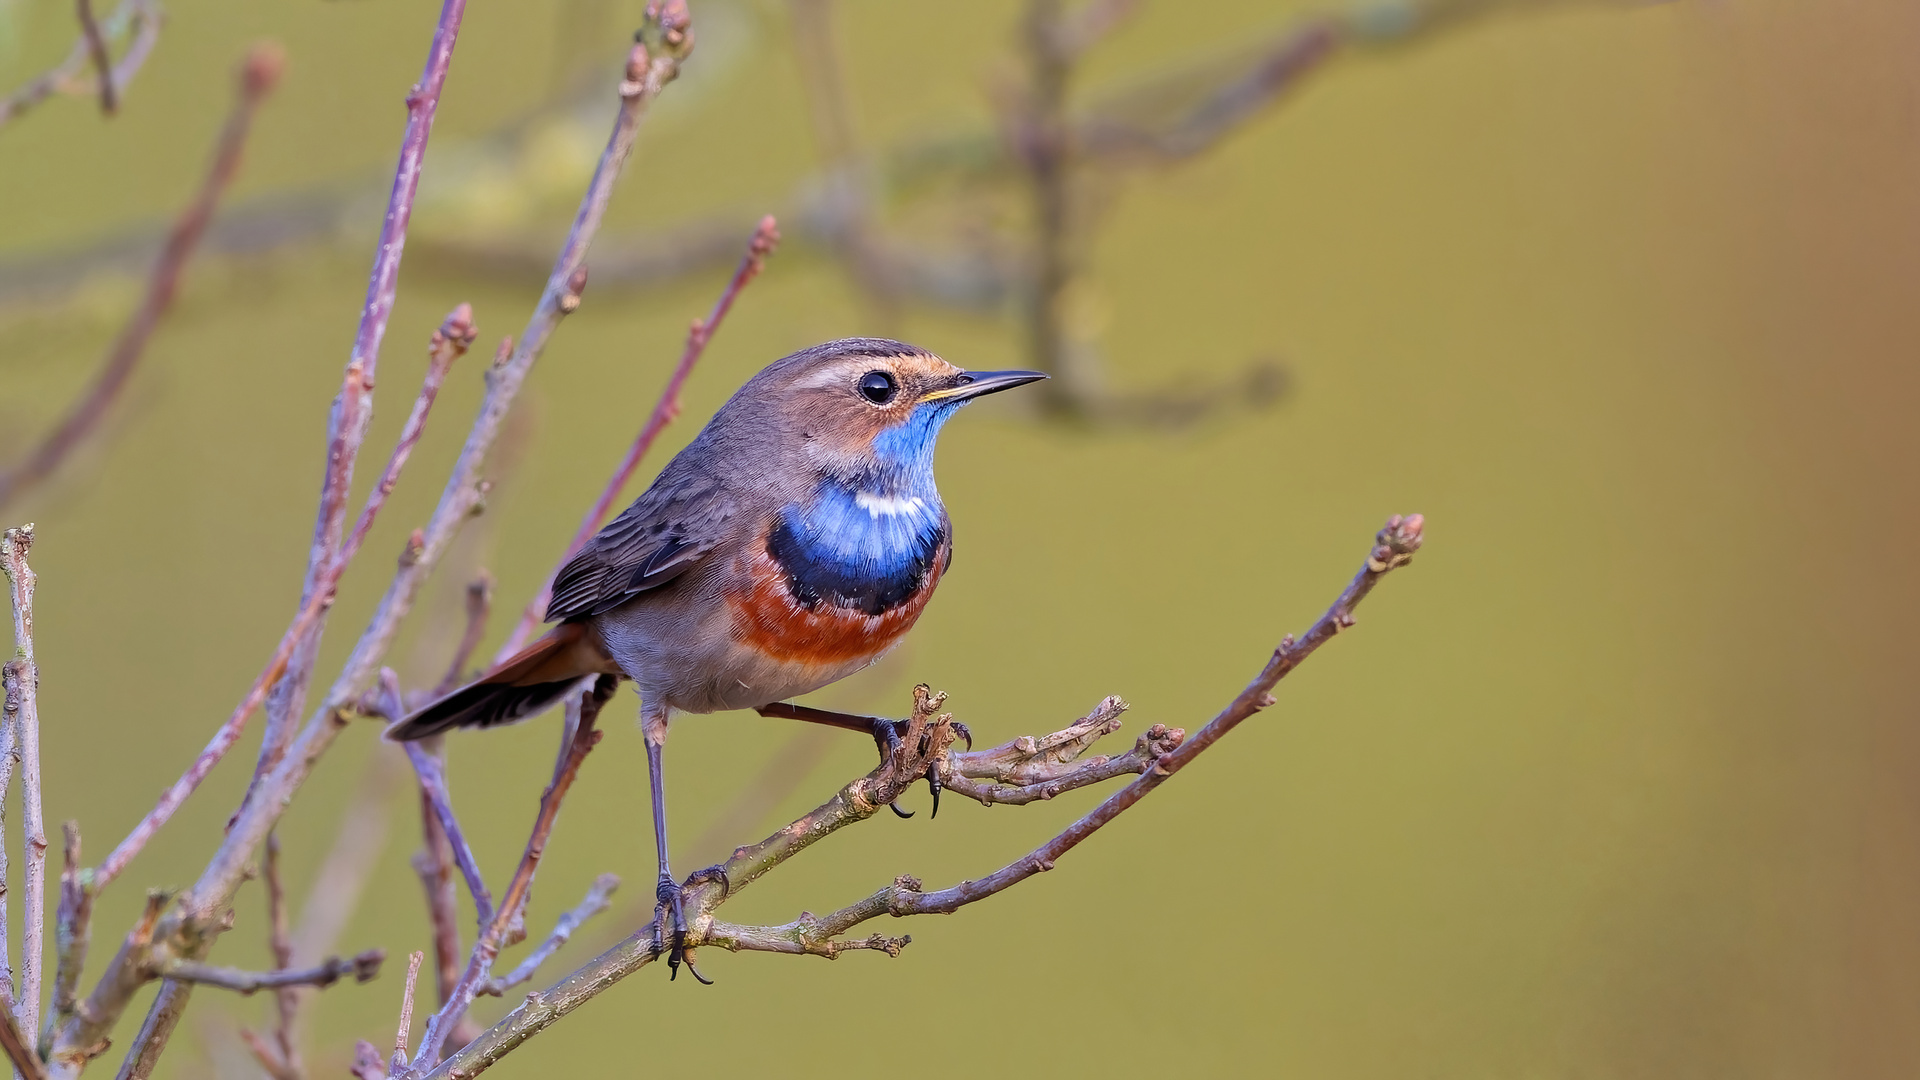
[{"x": 529, "y": 682}]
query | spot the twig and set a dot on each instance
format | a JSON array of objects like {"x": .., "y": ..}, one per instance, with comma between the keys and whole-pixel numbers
[
  {"x": 433, "y": 787},
  {"x": 434, "y": 864},
  {"x": 363, "y": 968},
  {"x": 479, "y": 606},
  {"x": 268, "y": 1058},
  {"x": 257, "y": 76},
  {"x": 141, "y": 17},
  {"x": 925, "y": 747},
  {"x": 448, "y": 343},
  {"x": 73, "y": 927},
  {"x": 17, "y": 1046},
  {"x": 21, "y": 679},
  {"x": 280, "y": 945},
  {"x": 353, "y": 408},
  {"x": 765, "y": 237},
  {"x": 598, "y": 899},
  {"x": 9, "y": 756},
  {"x": 102, "y": 61},
  {"x": 479, "y": 971},
  {"x": 1108, "y": 137},
  {"x": 406, "y": 1014},
  {"x": 1393, "y": 548}
]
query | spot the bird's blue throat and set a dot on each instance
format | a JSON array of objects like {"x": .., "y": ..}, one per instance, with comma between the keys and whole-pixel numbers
[{"x": 868, "y": 542}]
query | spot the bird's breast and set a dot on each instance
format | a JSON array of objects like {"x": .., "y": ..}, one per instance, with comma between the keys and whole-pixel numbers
[{"x": 840, "y": 579}]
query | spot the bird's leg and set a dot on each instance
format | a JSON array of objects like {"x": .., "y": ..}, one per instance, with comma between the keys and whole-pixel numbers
[
  {"x": 886, "y": 736},
  {"x": 667, "y": 892}
]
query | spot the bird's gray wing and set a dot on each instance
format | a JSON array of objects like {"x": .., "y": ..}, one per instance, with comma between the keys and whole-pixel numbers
[{"x": 661, "y": 536}]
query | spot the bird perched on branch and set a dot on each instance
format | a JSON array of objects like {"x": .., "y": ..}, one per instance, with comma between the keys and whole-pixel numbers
[{"x": 791, "y": 544}]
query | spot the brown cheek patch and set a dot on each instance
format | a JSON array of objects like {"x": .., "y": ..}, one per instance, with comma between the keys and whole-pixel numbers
[{"x": 766, "y": 618}]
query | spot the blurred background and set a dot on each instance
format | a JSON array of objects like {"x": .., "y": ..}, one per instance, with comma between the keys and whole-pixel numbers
[{"x": 1615, "y": 781}]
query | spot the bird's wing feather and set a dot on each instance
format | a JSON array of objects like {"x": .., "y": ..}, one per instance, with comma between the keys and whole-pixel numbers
[{"x": 662, "y": 535}]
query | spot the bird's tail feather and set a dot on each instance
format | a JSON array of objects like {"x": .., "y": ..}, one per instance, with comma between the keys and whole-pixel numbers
[{"x": 531, "y": 681}]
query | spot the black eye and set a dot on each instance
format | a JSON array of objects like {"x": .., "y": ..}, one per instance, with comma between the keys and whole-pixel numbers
[{"x": 878, "y": 387}]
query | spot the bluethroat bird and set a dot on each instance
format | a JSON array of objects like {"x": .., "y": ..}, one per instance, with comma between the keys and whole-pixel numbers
[{"x": 791, "y": 544}]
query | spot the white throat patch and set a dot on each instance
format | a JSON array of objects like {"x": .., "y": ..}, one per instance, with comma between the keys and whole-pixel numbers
[{"x": 890, "y": 505}]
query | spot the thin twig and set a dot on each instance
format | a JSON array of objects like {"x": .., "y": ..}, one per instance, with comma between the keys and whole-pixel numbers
[
  {"x": 598, "y": 899},
  {"x": 17, "y": 1046},
  {"x": 21, "y": 678},
  {"x": 479, "y": 606},
  {"x": 139, "y": 17},
  {"x": 925, "y": 747},
  {"x": 665, "y": 410},
  {"x": 257, "y": 77},
  {"x": 363, "y": 968},
  {"x": 267, "y": 1057},
  {"x": 73, "y": 928},
  {"x": 434, "y": 865},
  {"x": 479, "y": 971},
  {"x": 353, "y": 407},
  {"x": 433, "y": 787},
  {"x": 280, "y": 945},
  {"x": 406, "y": 1014},
  {"x": 448, "y": 343},
  {"x": 9, "y": 756},
  {"x": 102, "y": 60}
]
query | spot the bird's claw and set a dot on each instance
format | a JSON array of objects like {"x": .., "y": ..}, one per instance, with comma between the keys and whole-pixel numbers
[
  {"x": 671, "y": 898},
  {"x": 886, "y": 736}
]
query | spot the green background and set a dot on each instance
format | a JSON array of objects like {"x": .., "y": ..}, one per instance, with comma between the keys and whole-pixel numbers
[{"x": 1615, "y": 781}]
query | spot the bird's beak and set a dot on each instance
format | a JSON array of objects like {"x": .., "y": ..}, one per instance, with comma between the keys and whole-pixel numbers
[{"x": 973, "y": 384}]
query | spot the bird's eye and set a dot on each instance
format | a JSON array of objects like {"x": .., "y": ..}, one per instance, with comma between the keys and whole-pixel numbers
[{"x": 878, "y": 387}]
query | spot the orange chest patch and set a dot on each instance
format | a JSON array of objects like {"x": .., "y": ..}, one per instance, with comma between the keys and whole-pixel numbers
[{"x": 767, "y": 617}]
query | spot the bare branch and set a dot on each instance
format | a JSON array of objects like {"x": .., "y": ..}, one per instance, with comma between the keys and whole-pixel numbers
[
  {"x": 102, "y": 61},
  {"x": 665, "y": 410},
  {"x": 448, "y": 343},
  {"x": 925, "y": 750},
  {"x": 582, "y": 739},
  {"x": 73, "y": 928},
  {"x": 1107, "y": 135},
  {"x": 479, "y": 606},
  {"x": 17, "y": 1046},
  {"x": 433, "y": 787},
  {"x": 21, "y": 680},
  {"x": 141, "y": 18},
  {"x": 280, "y": 945},
  {"x": 363, "y": 968},
  {"x": 406, "y": 1014},
  {"x": 268, "y": 1057},
  {"x": 257, "y": 77},
  {"x": 353, "y": 407},
  {"x": 598, "y": 899}
]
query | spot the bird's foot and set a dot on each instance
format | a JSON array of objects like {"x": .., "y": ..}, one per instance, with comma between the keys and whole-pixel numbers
[
  {"x": 672, "y": 913},
  {"x": 887, "y": 737}
]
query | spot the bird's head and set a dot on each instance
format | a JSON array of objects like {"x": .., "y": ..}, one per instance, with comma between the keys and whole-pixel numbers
[{"x": 869, "y": 409}]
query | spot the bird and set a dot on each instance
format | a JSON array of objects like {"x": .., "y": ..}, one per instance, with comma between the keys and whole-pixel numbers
[{"x": 792, "y": 543}]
